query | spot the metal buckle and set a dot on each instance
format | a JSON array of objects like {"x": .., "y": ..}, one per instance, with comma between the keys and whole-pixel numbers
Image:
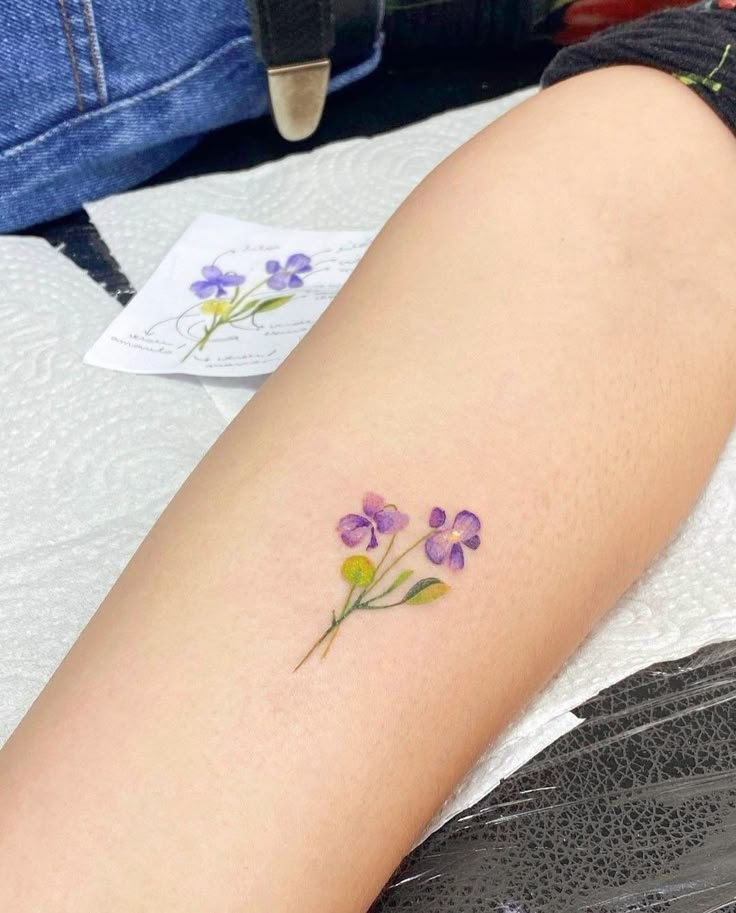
[{"x": 298, "y": 92}]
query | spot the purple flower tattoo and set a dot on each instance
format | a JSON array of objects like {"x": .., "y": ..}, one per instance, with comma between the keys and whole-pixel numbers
[
  {"x": 215, "y": 282},
  {"x": 447, "y": 543},
  {"x": 287, "y": 276},
  {"x": 377, "y": 516},
  {"x": 371, "y": 583}
]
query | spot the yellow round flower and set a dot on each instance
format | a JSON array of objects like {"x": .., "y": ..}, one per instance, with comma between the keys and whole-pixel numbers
[
  {"x": 216, "y": 306},
  {"x": 358, "y": 570}
]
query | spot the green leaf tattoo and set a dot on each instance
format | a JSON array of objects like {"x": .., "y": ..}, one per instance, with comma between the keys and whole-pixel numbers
[{"x": 426, "y": 590}]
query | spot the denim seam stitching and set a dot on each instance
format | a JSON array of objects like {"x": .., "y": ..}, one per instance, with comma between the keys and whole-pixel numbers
[
  {"x": 95, "y": 54},
  {"x": 128, "y": 102},
  {"x": 67, "y": 26}
]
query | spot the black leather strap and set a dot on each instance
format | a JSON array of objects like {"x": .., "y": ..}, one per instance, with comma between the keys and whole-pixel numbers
[
  {"x": 357, "y": 27},
  {"x": 292, "y": 31}
]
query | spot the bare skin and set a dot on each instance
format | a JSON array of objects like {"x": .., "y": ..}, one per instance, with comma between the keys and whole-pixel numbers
[{"x": 544, "y": 334}]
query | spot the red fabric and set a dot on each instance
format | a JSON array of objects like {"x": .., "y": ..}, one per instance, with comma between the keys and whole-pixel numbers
[{"x": 582, "y": 18}]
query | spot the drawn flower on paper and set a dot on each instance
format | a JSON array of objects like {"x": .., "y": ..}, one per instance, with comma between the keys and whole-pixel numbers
[
  {"x": 372, "y": 583},
  {"x": 447, "y": 543},
  {"x": 386, "y": 518},
  {"x": 215, "y": 283},
  {"x": 287, "y": 276},
  {"x": 242, "y": 305}
]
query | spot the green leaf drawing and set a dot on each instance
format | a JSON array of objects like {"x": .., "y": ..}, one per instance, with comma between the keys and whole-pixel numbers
[
  {"x": 426, "y": 590},
  {"x": 270, "y": 304},
  {"x": 242, "y": 307}
]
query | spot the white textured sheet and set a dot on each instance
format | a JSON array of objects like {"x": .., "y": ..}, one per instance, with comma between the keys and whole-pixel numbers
[
  {"x": 90, "y": 470},
  {"x": 90, "y": 458}
]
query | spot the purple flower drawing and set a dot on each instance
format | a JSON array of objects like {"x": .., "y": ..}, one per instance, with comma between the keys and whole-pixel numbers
[
  {"x": 447, "y": 543},
  {"x": 377, "y": 516},
  {"x": 215, "y": 282},
  {"x": 287, "y": 276},
  {"x": 222, "y": 308}
]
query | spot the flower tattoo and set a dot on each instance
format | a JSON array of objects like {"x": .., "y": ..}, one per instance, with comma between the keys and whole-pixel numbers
[
  {"x": 447, "y": 543},
  {"x": 385, "y": 518},
  {"x": 371, "y": 583}
]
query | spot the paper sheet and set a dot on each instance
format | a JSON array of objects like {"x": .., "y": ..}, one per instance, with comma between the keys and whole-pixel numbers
[{"x": 230, "y": 299}]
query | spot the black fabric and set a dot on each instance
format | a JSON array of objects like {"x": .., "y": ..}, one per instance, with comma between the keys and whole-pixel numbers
[
  {"x": 357, "y": 27},
  {"x": 292, "y": 31},
  {"x": 696, "y": 45}
]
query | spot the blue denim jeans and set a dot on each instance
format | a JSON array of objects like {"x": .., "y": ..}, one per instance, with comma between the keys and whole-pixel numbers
[{"x": 98, "y": 95}]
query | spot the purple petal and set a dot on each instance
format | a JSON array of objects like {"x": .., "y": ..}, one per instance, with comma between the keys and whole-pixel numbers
[
  {"x": 298, "y": 263},
  {"x": 374, "y": 542},
  {"x": 353, "y": 529},
  {"x": 466, "y": 524},
  {"x": 437, "y": 547},
  {"x": 437, "y": 517},
  {"x": 295, "y": 281},
  {"x": 472, "y": 542},
  {"x": 202, "y": 288},
  {"x": 372, "y": 503},
  {"x": 278, "y": 281},
  {"x": 232, "y": 279},
  {"x": 352, "y": 521},
  {"x": 272, "y": 266},
  {"x": 457, "y": 560},
  {"x": 211, "y": 272},
  {"x": 390, "y": 520}
]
